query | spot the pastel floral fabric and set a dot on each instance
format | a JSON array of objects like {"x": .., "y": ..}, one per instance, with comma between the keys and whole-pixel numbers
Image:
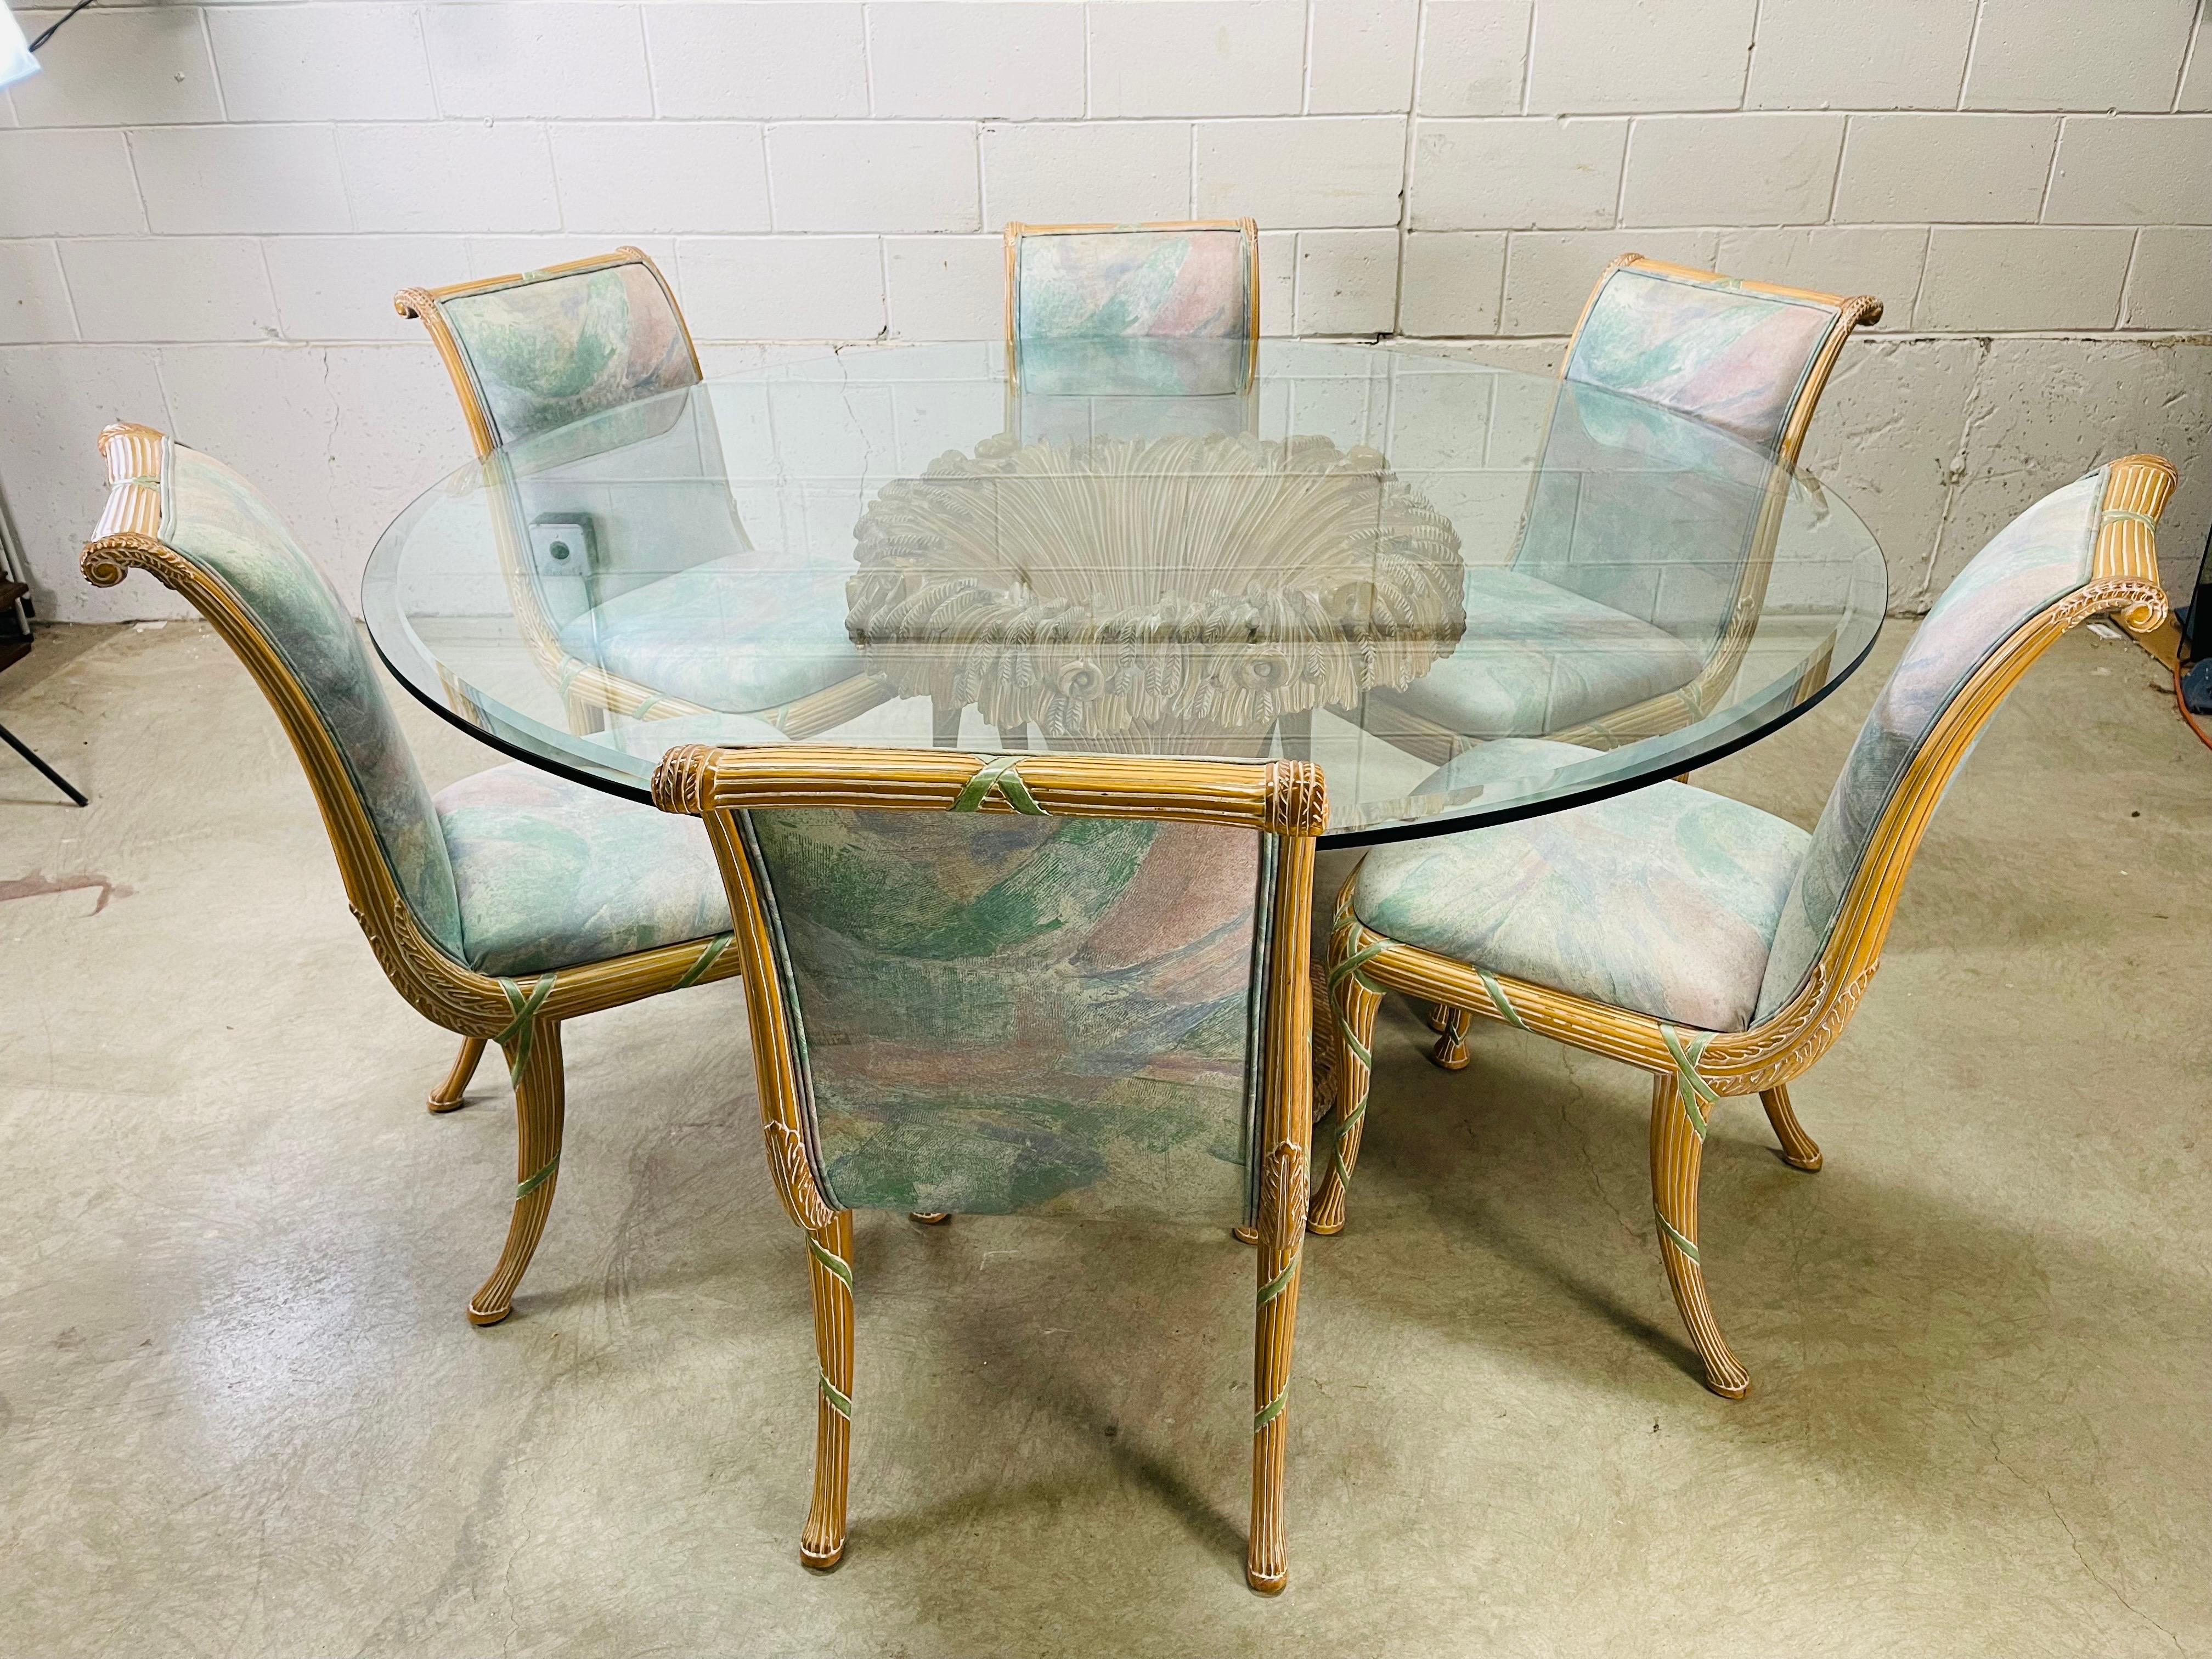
[
  {"x": 1002, "y": 1012},
  {"x": 549, "y": 350},
  {"x": 1633, "y": 550},
  {"x": 552, "y": 874},
  {"x": 2037, "y": 560},
  {"x": 1645, "y": 513},
  {"x": 1140, "y": 367},
  {"x": 1094, "y": 284},
  {"x": 1537, "y": 659},
  {"x": 1664, "y": 900},
  {"x": 1731, "y": 357},
  {"x": 222, "y": 524},
  {"x": 728, "y": 633}
]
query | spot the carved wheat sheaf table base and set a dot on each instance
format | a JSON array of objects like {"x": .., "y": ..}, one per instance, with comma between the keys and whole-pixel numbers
[{"x": 1117, "y": 588}]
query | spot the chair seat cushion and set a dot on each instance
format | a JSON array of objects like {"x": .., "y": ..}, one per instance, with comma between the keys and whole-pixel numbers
[
  {"x": 726, "y": 634},
  {"x": 552, "y": 873},
  {"x": 1537, "y": 659},
  {"x": 1664, "y": 901}
]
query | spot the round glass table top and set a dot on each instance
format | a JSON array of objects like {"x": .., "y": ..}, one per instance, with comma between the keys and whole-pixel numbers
[{"x": 1389, "y": 563}]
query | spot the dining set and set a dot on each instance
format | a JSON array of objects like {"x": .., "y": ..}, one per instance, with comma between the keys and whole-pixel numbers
[{"x": 982, "y": 706}]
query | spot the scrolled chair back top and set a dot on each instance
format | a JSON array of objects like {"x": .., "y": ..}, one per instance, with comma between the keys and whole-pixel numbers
[
  {"x": 2087, "y": 548},
  {"x": 990, "y": 984},
  {"x": 530, "y": 352},
  {"x": 1748, "y": 357},
  {"x": 205, "y": 531},
  {"x": 1193, "y": 280}
]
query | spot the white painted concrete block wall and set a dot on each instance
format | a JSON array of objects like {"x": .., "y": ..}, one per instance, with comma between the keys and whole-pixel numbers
[{"x": 205, "y": 208}]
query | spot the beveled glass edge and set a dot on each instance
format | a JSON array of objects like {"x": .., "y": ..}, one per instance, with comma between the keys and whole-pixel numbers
[{"x": 1659, "y": 759}]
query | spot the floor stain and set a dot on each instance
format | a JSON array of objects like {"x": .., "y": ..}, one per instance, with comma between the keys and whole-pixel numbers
[{"x": 37, "y": 884}]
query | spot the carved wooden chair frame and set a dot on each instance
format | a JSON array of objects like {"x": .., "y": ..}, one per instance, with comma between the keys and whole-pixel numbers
[
  {"x": 523, "y": 1016},
  {"x": 1284, "y": 799},
  {"x": 588, "y": 691},
  {"x": 1669, "y": 711},
  {"x": 1694, "y": 1071}
]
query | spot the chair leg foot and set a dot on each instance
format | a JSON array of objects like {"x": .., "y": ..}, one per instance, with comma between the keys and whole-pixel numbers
[
  {"x": 452, "y": 1094},
  {"x": 929, "y": 1218},
  {"x": 1282, "y": 1245},
  {"x": 534, "y": 1060},
  {"x": 1450, "y": 1053},
  {"x": 830, "y": 1273},
  {"x": 1678, "y": 1149},
  {"x": 1799, "y": 1149}
]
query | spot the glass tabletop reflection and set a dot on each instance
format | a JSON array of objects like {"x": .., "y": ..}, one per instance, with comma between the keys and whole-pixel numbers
[{"x": 1400, "y": 565}]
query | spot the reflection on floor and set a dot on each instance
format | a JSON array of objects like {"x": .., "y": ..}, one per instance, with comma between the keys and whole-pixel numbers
[{"x": 242, "y": 1411}]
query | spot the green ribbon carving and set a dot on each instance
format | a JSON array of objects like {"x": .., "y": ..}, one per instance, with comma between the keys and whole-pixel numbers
[
  {"x": 523, "y": 1189},
  {"x": 1497, "y": 1000},
  {"x": 999, "y": 776},
  {"x": 1273, "y": 1410},
  {"x": 523, "y": 1029},
  {"x": 839, "y": 1267},
  {"x": 715, "y": 946},
  {"x": 1696, "y": 1094}
]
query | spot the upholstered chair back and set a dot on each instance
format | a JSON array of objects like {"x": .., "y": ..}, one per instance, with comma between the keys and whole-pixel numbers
[
  {"x": 1071, "y": 1003},
  {"x": 1013, "y": 1012},
  {"x": 645, "y": 486},
  {"x": 2015, "y": 597},
  {"x": 1654, "y": 517},
  {"x": 539, "y": 350},
  {"x": 1672, "y": 523},
  {"x": 1199, "y": 280},
  {"x": 1749, "y": 358},
  {"x": 206, "y": 532}
]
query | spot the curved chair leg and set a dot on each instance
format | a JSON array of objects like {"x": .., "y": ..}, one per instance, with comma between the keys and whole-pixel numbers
[
  {"x": 1678, "y": 1152},
  {"x": 1282, "y": 1208},
  {"x": 450, "y": 1094},
  {"x": 1799, "y": 1149},
  {"x": 829, "y": 1271},
  {"x": 534, "y": 1060},
  {"x": 1353, "y": 1003},
  {"x": 1450, "y": 1052}
]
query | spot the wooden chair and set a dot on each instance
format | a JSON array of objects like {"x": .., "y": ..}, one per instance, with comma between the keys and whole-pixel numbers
[
  {"x": 508, "y": 905},
  {"x": 545, "y": 349},
  {"x": 1719, "y": 948},
  {"x": 1050, "y": 982},
  {"x": 1581, "y": 637}
]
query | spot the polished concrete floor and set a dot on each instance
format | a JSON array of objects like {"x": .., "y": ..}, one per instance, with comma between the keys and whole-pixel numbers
[{"x": 241, "y": 1412}]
